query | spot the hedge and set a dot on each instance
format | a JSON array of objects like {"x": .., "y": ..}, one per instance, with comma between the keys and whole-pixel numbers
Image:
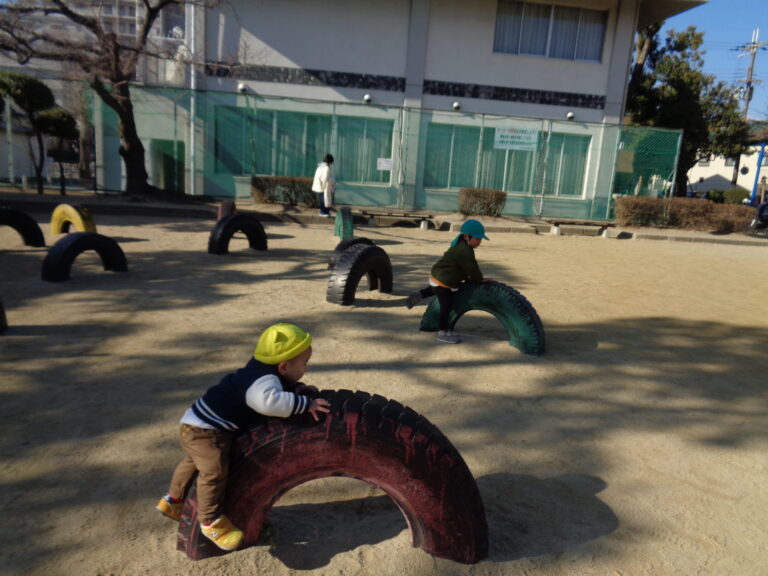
[
  {"x": 482, "y": 201},
  {"x": 284, "y": 190},
  {"x": 683, "y": 213}
]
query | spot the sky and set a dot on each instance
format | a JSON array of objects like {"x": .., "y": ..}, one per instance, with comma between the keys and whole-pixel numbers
[{"x": 728, "y": 25}]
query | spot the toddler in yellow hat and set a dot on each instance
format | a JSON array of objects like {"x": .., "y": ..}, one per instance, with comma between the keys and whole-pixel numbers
[{"x": 268, "y": 385}]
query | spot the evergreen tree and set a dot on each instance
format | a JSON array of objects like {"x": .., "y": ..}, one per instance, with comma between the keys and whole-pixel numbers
[{"x": 668, "y": 89}]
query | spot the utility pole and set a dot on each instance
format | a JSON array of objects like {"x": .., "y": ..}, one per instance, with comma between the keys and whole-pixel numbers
[{"x": 752, "y": 48}]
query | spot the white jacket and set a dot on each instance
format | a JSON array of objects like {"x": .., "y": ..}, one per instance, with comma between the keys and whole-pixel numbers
[{"x": 324, "y": 182}]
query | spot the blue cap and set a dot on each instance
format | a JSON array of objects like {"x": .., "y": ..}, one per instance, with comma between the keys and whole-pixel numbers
[{"x": 474, "y": 229}]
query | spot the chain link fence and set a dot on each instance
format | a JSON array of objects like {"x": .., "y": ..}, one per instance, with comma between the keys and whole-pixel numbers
[{"x": 397, "y": 158}]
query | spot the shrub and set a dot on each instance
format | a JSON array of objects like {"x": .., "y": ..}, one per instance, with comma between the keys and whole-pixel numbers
[
  {"x": 731, "y": 218},
  {"x": 684, "y": 213},
  {"x": 690, "y": 213},
  {"x": 284, "y": 190},
  {"x": 717, "y": 196},
  {"x": 639, "y": 211},
  {"x": 735, "y": 196},
  {"x": 481, "y": 201}
]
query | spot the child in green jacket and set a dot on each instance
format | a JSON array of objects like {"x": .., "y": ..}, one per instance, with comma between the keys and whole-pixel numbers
[{"x": 457, "y": 265}]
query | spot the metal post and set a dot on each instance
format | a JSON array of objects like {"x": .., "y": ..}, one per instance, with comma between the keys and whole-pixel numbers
[
  {"x": 760, "y": 157},
  {"x": 192, "y": 99},
  {"x": 9, "y": 136}
]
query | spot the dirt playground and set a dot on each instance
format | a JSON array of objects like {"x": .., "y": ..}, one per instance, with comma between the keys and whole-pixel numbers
[{"x": 636, "y": 446}]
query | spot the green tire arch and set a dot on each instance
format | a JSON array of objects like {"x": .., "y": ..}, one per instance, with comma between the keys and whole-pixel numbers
[{"x": 511, "y": 308}]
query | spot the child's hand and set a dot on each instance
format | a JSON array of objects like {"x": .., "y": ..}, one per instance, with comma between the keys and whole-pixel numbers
[{"x": 319, "y": 405}]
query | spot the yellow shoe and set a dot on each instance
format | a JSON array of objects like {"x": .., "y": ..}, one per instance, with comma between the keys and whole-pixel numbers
[
  {"x": 170, "y": 509},
  {"x": 223, "y": 533}
]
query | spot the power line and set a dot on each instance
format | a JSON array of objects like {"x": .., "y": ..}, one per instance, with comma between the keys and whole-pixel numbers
[{"x": 752, "y": 48}]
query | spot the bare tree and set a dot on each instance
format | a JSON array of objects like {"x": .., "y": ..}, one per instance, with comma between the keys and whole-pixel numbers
[{"x": 74, "y": 31}]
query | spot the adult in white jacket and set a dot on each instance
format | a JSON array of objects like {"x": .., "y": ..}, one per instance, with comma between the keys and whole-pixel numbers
[{"x": 324, "y": 184}]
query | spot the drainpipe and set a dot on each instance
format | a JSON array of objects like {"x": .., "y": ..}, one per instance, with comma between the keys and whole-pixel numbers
[
  {"x": 192, "y": 99},
  {"x": 760, "y": 156},
  {"x": 9, "y": 136}
]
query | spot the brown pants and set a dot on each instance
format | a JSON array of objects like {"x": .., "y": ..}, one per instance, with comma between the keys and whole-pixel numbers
[{"x": 207, "y": 454}]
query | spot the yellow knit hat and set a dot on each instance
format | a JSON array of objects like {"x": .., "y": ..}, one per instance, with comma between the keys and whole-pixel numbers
[{"x": 281, "y": 342}]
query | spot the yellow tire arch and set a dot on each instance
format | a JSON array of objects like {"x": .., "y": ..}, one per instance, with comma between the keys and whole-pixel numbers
[{"x": 65, "y": 215}]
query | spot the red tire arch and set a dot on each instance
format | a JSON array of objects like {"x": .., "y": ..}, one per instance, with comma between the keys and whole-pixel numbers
[{"x": 366, "y": 437}]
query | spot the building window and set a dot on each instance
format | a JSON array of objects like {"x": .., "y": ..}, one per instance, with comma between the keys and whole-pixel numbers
[
  {"x": 361, "y": 142},
  {"x": 173, "y": 21},
  {"x": 127, "y": 28},
  {"x": 450, "y": 156},
  {"x": 290, "y": 143},
  {"x": 232, "y": 151},
  {"x": 469, "y": 157},
  {"x": 277, "y": 143},
  {"x": 730, "y": 161},
  {"x": 550, "y": 31}
]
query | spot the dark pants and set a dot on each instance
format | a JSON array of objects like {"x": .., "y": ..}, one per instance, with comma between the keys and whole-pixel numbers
[
  {"x": 445, "y": 297},
  {"x": 323, "y": 208}
]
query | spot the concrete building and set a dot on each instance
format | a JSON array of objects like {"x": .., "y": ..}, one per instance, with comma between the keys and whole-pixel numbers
[{"x": 415, "y": 98}]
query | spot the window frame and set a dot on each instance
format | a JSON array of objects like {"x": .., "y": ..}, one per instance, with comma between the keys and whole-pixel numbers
[{"x": 514, "y": 10}]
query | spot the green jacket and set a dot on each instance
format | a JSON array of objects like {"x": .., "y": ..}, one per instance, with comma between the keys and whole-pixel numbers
[{"x": 457, "y": 265}]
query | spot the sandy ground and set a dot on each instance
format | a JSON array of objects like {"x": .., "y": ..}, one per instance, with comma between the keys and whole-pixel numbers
[{"x": 638, "y": 445}]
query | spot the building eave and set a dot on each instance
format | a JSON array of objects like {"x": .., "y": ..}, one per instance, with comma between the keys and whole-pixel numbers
[{"x": 652, "y": 11}]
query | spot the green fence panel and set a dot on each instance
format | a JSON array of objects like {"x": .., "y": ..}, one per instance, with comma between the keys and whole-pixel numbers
[{"x": 394, "y": 157}]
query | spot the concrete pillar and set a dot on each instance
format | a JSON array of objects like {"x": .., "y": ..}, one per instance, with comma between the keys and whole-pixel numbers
[
  {"x": 620, "y": 59},
  {"x": 416, "y": 60}
]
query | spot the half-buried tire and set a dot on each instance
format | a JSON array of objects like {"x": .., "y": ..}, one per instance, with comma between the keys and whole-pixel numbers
[
  {"x": 366, "y": 437},
  {"x": 24, "y": 224},
  {"x": 511, "y": 308},
  {"x": 343, "y": 245},
  {"x": 65, "y": 215},
  {"x": 248, "y": 224},
  {"x": 3, "y": 319},
  {"x": 58, "y": 261},
  {"x": 355, "y": 262}
]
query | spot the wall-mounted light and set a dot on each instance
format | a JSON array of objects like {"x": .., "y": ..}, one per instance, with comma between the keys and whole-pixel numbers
[
  {"x": 570, "y": 116},
  {"x": 241, "y": 87},
  {"x": 367, "y": 98},
  {"x": 456, "y": 105}
]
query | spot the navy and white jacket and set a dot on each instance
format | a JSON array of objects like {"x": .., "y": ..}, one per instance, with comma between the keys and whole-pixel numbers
[{"x": 240, "y": 397}]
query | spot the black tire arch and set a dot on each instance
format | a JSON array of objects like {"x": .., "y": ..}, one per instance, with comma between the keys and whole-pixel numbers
[
  {"x": 356, "y": 261},
  {"x": 3, "y": 319},
  {"x": 511, "y": 308},
  {"x": 24, "y": 224},
  {"x": 343, "y": 245},
  {"x": 248, "y": 224},
  {"x": 58, "y": 262},
  {"x": 366, "y": 437}
]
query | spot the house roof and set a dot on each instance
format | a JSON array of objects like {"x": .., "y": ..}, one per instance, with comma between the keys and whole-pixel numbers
[{"x": 654, "y": 10}]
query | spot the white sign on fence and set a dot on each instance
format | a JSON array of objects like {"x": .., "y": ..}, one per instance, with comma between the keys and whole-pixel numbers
[
  {"x": 516, "y": 139},
  {"x": 384, "y": 164}
]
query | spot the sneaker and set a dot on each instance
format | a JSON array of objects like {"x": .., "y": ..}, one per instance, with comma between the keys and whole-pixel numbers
[
  {"x": 413, "y": 299},
  {"x": 223, "y": 533},
  {"x": 325, "y": 215},
  {"x": 448, "y": 337},
  {"x": 170, "y": 508}
]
